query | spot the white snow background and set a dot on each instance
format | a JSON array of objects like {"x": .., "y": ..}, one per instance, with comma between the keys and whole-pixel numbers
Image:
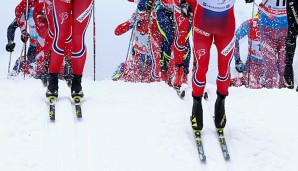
[{"x": 138, "y": 127}]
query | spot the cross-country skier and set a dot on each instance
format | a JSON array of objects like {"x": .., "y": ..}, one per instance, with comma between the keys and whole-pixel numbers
[
  {"x": 254, "y": 67},
  {"x": 213, "y": 21},
  {"x": 165, "y": 21},
  {"x": 181, "y": 46},
  {"x": 11, "y": 45},
  {"x": 139, "y": 68},
  {"x": 65, "y": 69},
  {"x": 273, "y": 30},
  {"x": 61, "y": 24},
  {"x": 292, "y": 10},
  {"x": 37, "y": 24}
]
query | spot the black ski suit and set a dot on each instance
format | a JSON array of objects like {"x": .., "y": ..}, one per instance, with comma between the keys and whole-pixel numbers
[{"x": 292, "y": 11}]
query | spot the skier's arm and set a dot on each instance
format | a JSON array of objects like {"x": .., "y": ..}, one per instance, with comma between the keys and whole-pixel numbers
[
  {"x": 126, "y": 26},
  {"x": 11, "y": 31},
  {"x": 10, "y": 36},
  {"x": 20, "y": 11},
  {"x": 241, "y": 32},
  {"x": 122, "y": 28},
  {"x": 135, "y": 1}
]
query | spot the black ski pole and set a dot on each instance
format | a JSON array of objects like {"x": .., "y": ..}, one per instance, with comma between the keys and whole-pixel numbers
[
  {"x": 9, "y": 62},
  {"x": 94, "y": 42},
  {"x": 26, "y": 37}
]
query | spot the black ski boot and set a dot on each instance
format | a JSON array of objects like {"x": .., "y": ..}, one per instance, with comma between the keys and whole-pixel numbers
[
  {"x": 289, "y": 77},
  {"x": 76, "y": 87},
  {"x": 52, "y": 91},
  {"x": 219, "y": 111},
  {"x": 197, "y": 115}
]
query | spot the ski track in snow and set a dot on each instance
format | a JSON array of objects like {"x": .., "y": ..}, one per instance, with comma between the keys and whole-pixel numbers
[{"x": 131, "y": 127}]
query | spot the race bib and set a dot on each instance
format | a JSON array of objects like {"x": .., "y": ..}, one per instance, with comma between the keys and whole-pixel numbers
[{"x": 217, "y": 5}]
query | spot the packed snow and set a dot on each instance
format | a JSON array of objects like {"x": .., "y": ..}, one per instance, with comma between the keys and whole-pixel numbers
[{"x": 134, "y": 126}]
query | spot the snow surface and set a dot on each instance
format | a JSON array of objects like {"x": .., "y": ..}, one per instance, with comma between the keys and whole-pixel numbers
[
  {"x": 133, "y": 127},
  {"x": 139, "y": 127}
]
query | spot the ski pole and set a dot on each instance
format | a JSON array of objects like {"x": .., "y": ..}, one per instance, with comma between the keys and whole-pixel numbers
[
  {"x": 26, "y": 35},
  {"x": 250, "y": 46},
  {"x": 20, "y": 59},
  {"x": 94, "y": 42},
  {"x": 131, "y": 36},
  {"x": 131, "y": 40},
  {"x": 9, "y": 62}
]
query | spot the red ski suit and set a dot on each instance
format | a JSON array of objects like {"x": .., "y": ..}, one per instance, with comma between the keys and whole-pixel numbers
[
  {"x": 38, "y": 27},
  {"x": 213, "y": 21},
  {"x": 181, "y": 34},
  {"x": 68, "y": 22}
]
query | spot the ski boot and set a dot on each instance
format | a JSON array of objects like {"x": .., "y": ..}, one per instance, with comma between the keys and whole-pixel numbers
[
  {"x": 178, "y": 76},
  {"x": 289, "y": 77},
  {"x": 219, "y": 111},
  {"x": 77, "y": 93},
  {"x": 197, "y": 114},
  {"x": 197, "y": 125},
  {"x": 76, "y": 87},
  {"x": 52, "y": 91}
]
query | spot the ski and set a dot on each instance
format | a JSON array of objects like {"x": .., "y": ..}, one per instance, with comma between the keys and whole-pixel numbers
[
  {"x": 52, "y": 101},
  {"x": 197, "y": 136},
  {"x": 77, "y": 103},
  {"x": 205, "y": 96},
  {"x": 180, "y": 93},
  {"x": 222, "y": 142}
]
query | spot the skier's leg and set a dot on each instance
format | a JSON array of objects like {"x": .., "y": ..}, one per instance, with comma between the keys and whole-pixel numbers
[
  {"x": 165, "y": 22},
  {"x": 252, "y": 74},
  {"x": 80, "y": 20},
  {"x": 202, "y": 45},
  {"x": 61, "y": 13},
  {"x": 179, "y": 46},
  {"x": 30, "y": 63},
  {"x": 155, "y": 40},
  {"x": 268, "y": 51},
  {"x": 186, "y": 62},
  {"x": 292, "y": 8},
  {"x": 281, "y": 53},
  {"x": 225, "y": 45}
]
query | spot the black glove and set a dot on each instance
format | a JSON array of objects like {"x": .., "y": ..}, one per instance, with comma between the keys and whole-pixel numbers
[
  {"x": 24, "y": 36},
  {"x": 10, "y": 46},
  {"x": 249, "y": 1},
  {"x": 186, "y": 10},
  {"x": 239, "y": 65},
  {"x": 149, "y": 5}
]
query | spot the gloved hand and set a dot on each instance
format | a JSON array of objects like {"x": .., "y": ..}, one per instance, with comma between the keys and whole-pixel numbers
[
  {"x": 10, "y": 46},
  {"x": 186, "y": 10},
  {"x": 249, "y": 1},
  {"x": 24, "y": 36},
  {"x": 239, "y": 66},
  {"x": 149, "y": 5}
]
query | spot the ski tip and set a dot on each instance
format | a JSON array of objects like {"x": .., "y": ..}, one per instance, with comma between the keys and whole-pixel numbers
[
  {"x": 227, "y": 157},
  {"x": 182, "y": 95},
  {"x": 205, "y": 96},
  {"x": 203, "y": 159}
]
